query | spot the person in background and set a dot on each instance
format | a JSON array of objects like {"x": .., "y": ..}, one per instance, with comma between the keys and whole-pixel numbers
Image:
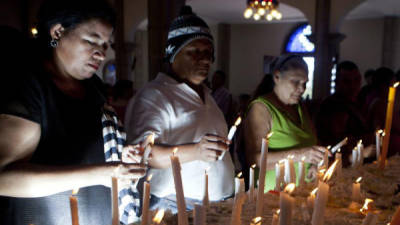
[
  {"x": 277, "y": 108},
  {"x": 180, "y": 110},
  {"x": 51, "y": 131},
  {"x": 340, "y": 115},
  {"x": 222, "y": 96},
  {"x": 122, "y": 92},
  {"x": 366, "y": 89}
]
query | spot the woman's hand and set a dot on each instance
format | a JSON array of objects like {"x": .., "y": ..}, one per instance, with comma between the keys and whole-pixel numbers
[
  {"x": 210, "y": 147},
  {"x": 313, "y": 154},
  {"x": 132, "y": 154}
]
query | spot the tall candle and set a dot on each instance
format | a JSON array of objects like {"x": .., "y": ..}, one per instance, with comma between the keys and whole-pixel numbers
[
  {"x": 180, "y": 197},
  {"x": 231, "y": 133},
  {"x": 251, "y": 183},
  {"x": 275, "y": 217},
  {"x": 354, "y": 157},
  {"x": 261, "y": 176},
  {"x": 338, "y": 156},
  {"x": 388, "y": 124},
  {"x": 339, "y": 145},
  {"x": 356, "y": 193},
  {"x": 205, "y": 195},
  {"x": 114, "y": 201},
  {"x": 360, "y": 154},
  {"x": 237, "y": 209},
  {"x": 311, "y": 199},
  {"x": 147, "y": 145},
  {"x": 199, "y": 217},
  {"x": 396, "y": 217},
  {"x": 279, "y": 172},
  {"x": 239, "y": 184},
  {"x": 378, "y": 135},
  {"x": 302, "y": 171},
  {"x": 290, "y": 173},
  {"x": 146, "y": 201},
  {"x": 73, "y": 203},
  {"x": 286, "y": 204},
  {"x": 370, "y": 219},
  {"x": 256, "y": 221}
]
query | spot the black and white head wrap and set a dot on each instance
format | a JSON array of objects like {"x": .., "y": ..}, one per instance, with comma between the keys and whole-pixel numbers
[{"x": 184, "y": 29}]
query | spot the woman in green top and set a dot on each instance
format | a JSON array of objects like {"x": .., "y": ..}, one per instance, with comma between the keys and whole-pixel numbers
[{"x": 276, "y": 107}]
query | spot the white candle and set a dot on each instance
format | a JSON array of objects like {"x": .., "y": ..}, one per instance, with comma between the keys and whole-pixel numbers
[
  {"x": 199, "y": 217},
  {"x": 370, "y": 219},
  {"x": 378, "y": 134},
  {"x": 237, "y": 209},
  {"x": 356, "y": 194},
  {"x": 286, "y": 204},
  {"x": 251, "y": 183},
  {"x": 256, "y": 221},
  {"x": 239, "y": 184},
  {"x": 261, "y": 176},
  {"x": 73, "y": 203},
  {"x": 114, "y": 201},
  {"x": 180, "y": 197},
  {"x": 275, "y": 217},
  {"x": 290, "y": 172},
  {"x": 302, "y": 171},
  {"x": 231, "y": 133},
  {"x": 338, "y": 156},
  {"x": 320, "y": 204},
  {"x": 339, "y": 145},
  {"x": 146, "y": 201},
  {"x": 311, "y": 199},
  {"x": 360, "y": 155},
  {"x": 354, "y": 157},
  {"x": 279, "y": 174},
  {"x": 147, "y": 145},
  {"x": 205, "y": 195}
]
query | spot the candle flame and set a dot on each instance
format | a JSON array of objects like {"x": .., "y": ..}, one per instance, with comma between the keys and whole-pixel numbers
[
  {"x": 358, "y": 180},
  {"x": 359, "y": 142},
  {"x": 303, "y": 158},
  {"x": 339, "y": 150},
  {"x": 75, "y": 191},
  {"x": 322, "y": 170},
  {"x": 175, "y": 151},
  {"x": 239, "y": 175},
  {"x": 290, "y": 156},
  {"x": 278, "y": 211},
  {"x": 159, "y": 216},
  {"x": 253, "y": 166},
  {"x": 256, "y": 220},
  {"x": 152, "y": 138},
  {"x": 208, "y": 169},
  {"x": 281, "y": 161},
  {"x": 149, "y": 177},
  {"x": 330, "y": 171},
  {"x": 383, "y": 133},
  {"x": 329, "y": 147},
  {"x": 396, "y": 84},
  {"x": 238, "y": 121},
  {"x": 290, "y": 188},
  {"x": 379, "y": 131},
  {"x": 313, "y": 192},
  {"x": 367, "y": 206},
  {"x": 269, "y": 134}
]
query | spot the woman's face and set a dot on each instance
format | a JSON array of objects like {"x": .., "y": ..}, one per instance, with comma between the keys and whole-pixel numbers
[
  {"x": 290, "y": 85},
  {"x": 81, "y": 50}
]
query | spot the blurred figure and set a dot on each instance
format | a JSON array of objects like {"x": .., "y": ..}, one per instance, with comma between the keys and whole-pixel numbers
[
  {"x": 366, "y": 89},
  {"x": 121, "y": 93},
  {"x": 222, "y": 96}
]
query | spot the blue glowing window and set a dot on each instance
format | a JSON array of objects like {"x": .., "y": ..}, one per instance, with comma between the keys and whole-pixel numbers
[{"x": 298, "y": 41}]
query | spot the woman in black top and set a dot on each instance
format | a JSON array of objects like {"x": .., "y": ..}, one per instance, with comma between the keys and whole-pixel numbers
[{"x": 51, "y": 138}]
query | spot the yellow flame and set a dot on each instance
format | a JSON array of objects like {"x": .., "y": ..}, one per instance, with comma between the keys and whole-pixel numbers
[
  {"x": 75, "y": 191},
  {"x": 322, "y": 170},
  {"x": 34, "y": 31},
  {"x": 359, "y": 142},
  {"x": 149, "y": 177},
  {"x": 159, "y": 216},
  {"x": 281, "y": 161},
  {"x": 278, "y": 211},
  {"x": 313, "y": 192},
  {"x": 396, "y": 84},
  {"x": 303, "y": 158},
  {"x": 383, "y": 133},
  {"x": 358, "y": 180},
  {"x": 253, "y": 166},
  {"x": 239, "y": 175},
  {"x": 238, "y": 120},
  {"x": 367, "y": 206},
  {"x": 339, "y": 150},
  {"x": 269, "y": 134},
  {"x": 256, "y": 220},
  {"x": 330, "y": 171},
  {"x": 379, "y": 131},
  {"x": 175, "y": 151},
  {"x": 329, "y": 147},
  {"x": 290, "y": 188},
  {"x": 290, "y": 156}
]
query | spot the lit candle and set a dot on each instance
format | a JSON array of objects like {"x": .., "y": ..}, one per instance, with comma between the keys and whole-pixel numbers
[
  {"x": 354, "y": 157},
  {"x": 286, "y": 204},
  {"x": 239, "y": 184},
  {"x": 158, "y": 217},
  {"x": 275, "y": 217},
  {"x": 388, "y": 124},
  {"x": 231, "y": 133},
  {"x": 339, "y": 145},
  {"x": 290, "y": 173},
  {"x": 338, "y": 156},
  {"x": 237, "y": 209},
  {"x": 378, "y": 135},
  {"x": 360, "y": 155},
  {"x": 180, "y": 197},
  {"x": 396, "y": 217},
  {"x": 279, "y": 174},
  {"x": 199, "y": 217},
  {"x": 322, "y": 197},
  {"x": 367, "y": 207},
  {"x": 356, "y": 194},
  {"x": 146, "y": 201},
  {"x": 256, "y": 221},
  {"x": 114, "y": 201},
  {"x": 302, "y": 171},
  {"x": 370, "y": 219},
  {"x": 73, "y": 203},
  {"x": 147, "y": 145},
  {"x": 311, "y": 199},
  {"x": 251, "y": 183},
  {"x": 261, "y": 175},
  {"x": 205, "y": 196}
]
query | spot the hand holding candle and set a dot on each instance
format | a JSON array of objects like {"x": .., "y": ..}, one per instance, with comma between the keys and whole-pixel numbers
[
  {"x": 251, "y": 183},
  {"x": 231, "y": 133},
  {"x": 339, "y": 145}
]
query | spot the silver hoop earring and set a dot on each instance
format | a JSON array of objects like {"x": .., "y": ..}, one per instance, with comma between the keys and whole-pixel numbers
[{"x": 54, "y": 43}]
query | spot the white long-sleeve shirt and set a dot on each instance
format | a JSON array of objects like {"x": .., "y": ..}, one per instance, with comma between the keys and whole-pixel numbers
[{"x": 177, "y": 115}]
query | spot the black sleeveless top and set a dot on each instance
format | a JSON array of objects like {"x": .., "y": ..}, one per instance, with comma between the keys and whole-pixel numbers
[{"x": 71, "y": 134}]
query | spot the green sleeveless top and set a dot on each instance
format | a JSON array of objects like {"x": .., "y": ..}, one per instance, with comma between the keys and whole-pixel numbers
[{"x": 286, "y": 135}]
